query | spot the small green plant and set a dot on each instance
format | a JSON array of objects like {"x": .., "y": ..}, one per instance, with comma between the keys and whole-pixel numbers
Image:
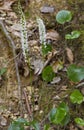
[
  {"x": 63, "y": 16},
  {"x": 79, "y": 121},
  {"x": 76, "y": 97},
  {"x": 2, "y": 71},
  {"x": 46, "y": 127},
  {"x": 48, "y": 74},
  {"x": 42, "y": 34},
  {"x": 60, "y": 115},
  {"x": 20, "y": 124},
  {"x": 46, "y": 49},
  {"x": 74, "y": 34},
  {"x": 75, "y": 73}
]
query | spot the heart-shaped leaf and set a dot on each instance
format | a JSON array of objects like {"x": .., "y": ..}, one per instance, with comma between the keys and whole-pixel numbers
[
  {"x": 63, "y": 16},
  {"x": 75, "y": 73},
  {"x": 48, "y": 74},
  {"x": 59, "y": 115},
  {"x": 79, "y": 121},
  {"x": 73, "y": 35},
  {"x": 76, "y": 97}
]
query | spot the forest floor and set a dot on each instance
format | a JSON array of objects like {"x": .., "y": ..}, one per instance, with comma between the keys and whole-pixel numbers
[{"x": 42, "y": 96}]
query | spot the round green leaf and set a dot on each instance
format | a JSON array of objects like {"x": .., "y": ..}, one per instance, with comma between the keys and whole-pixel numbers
[
  {"x": 57, "y": 116},
  {"x": 79, "y": 121},
  {"x": 63, "y": 16},
  {"x": 73, "y": 35},
  {"x": 67, "y": 36},
  {"x": 48, "y": 74},
  {"x": 76, "y": 97},
  {"x": 75, "y": 73},
  {"x": 61, "y": 113}
]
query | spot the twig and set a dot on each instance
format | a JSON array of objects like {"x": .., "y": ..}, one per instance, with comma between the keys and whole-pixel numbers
[
  {"x": 27, "y": 104},
  {"x": 43, "y": 121},
  {"x": 12, "y": 45},
  {"x": 28, "y": 108},
  {"x": 79, "y": 85}
]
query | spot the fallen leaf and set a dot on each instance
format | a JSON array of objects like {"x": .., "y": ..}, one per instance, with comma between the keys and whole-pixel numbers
[
  {"x": 38, "y": 66},
  {"x": 26, "y": 70},
  {"x": 69, "y": 55},
  {"x": 56, "y": 80},
  {"x": 47, "y": 9},
  {"x": 3, "y": 121},
  {"x": 58, "y": 65},
  {"x": 52, "y": 35},
  {"x": 7, "y": 5}
]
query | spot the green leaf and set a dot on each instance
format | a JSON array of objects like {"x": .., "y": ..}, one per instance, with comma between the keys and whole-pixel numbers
[
  {"x": 68, "y": 36},
  {"x": 63, "y": 16},
  {"x": 16, "y": 127},
  {"x": 2, "y": 71},
  {"x": 66, "y": 120},
  {"x": 52, "y": 114},
  {"x": 18, "y": 124},
  {"x": 73, "y": 35},
  {"x": 76, "y": 97},
  {"x": 61, "y": 113},
  {"x": 46, "y": 48},
  {"x": 48, "y": 74},
  {"x": 36, "y": 125},
  {"x": 75, "y": 73},
  {"x": 79, "y": 121},
  {"x": 57, "y": 116},
  {"x": 21, "y": 121},
  {"x": 47, "y": 127}
]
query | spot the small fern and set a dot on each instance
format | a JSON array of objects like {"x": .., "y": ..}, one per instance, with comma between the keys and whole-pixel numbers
[
  {"x": 42, "y": 31},
  {"x": 24, "y": 38}
]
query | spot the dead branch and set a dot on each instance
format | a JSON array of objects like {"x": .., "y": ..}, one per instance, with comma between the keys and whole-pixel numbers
[
  {"x": 12, "y": 45},
  {"x": 27, "y": 104}
]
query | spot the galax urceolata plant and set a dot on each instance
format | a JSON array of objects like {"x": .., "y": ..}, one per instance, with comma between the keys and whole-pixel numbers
[{"x": 58, "y": 115}]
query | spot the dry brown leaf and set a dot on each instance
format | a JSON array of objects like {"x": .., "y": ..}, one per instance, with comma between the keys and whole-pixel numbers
[
  {"x": 58, "y": 65},
  {"x": 69, "y": 55},
  {"x": 52, "y": 35},
  {"x": 26, "y": 70},
  {"x": 56, "y": 80},
  {"x": 3, "y": 121},
  {"x": 38, "y": 66},
  {"x": 7, "y": 5}
]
